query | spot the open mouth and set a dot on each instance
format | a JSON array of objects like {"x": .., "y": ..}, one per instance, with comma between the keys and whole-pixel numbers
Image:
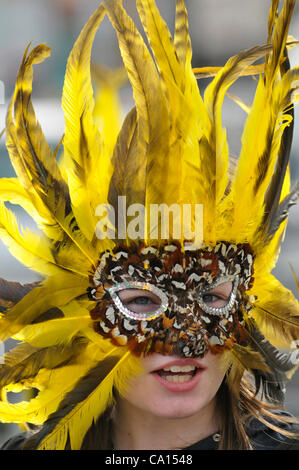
[{"x": 178, "y": 374}]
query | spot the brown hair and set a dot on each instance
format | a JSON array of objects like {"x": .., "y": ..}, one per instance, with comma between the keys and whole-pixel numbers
[{"x": 238, "y": 409}]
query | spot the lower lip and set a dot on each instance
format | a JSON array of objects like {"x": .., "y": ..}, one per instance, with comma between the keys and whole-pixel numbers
[{"x": 179, "y": 386}]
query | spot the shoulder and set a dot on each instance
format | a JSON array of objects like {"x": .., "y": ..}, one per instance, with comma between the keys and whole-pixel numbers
[
  {"x": 264, "y": 437},
  {"x": 16, "y": 442}
]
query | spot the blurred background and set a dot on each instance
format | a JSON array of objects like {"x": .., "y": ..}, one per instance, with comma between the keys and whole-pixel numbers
[{"x": 219, "y": 29}]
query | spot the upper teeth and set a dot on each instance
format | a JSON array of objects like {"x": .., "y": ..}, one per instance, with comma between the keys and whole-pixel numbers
[{"x": 187, "y": 368}]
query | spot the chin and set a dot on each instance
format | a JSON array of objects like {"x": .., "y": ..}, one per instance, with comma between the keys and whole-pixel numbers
[
  {"x": 169, "y": 404},
  {"x": 166, "y": 404},
  {"x": 177, "y": 409}
]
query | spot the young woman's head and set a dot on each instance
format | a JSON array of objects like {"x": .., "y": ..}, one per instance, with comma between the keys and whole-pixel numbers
[
  {"x": 113, "y": 292},
  {"x": 186, "y": 314},
  {"x": 173, "y": 386}
]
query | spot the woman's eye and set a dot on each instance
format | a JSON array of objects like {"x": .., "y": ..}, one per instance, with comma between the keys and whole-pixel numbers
[
  {"x": 214, "y": 300},
  {"x": 218, "y": 296},
  {"x": 209, "y": 298},
  {"x": 140, "y": 301}
]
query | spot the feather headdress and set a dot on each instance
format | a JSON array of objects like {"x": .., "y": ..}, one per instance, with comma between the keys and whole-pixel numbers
[{"x": 171, "y": 149}]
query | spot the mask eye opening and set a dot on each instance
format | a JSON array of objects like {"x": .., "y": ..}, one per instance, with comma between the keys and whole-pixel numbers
[
  {"x": 114, "y": 290},
  {"x": 221, "y": 311}
]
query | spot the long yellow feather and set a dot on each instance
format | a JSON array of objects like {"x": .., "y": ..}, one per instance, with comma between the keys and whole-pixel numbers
[
  {"x": 83, "y": 148},
  {"x": 31, "y": 249},
  {"x": 25, "y": 361},
  {"x": 172, "y": 79},
  {"x": 182, "y": 42},
  {"x": 107, "y": 110},
  {"x": 77, "y": 422},
  {"x": 55, "y": 291},
  {"x": 12, "y": 191},
  {"x": 34, "y": 249},
  {"x": 276, "y": 311},
  {"x": 35, "y": 163},
  {"x": 213, "y": 98},
  {"x": 186, "y": 112},
  {"x": 74, "y": 319},
  {"x": 260, "y": 143},
  {"x": 26, "y": 144},
  {"x": 172, "y": 137},
  {"x": 152, "y": 111},
  {"x": 279, "y": 28},
  {"x": 162, "y": 45},
  {"x": 53, "y": 385}
]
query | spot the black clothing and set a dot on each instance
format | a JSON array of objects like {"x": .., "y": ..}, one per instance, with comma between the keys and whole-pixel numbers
[{"x": 261, "y": 437}]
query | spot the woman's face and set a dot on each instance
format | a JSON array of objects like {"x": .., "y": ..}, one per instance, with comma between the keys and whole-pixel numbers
[{"x": 174, "y": 387}]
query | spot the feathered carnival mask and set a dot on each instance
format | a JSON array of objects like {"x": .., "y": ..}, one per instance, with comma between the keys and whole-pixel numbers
[{"x": 115, "y": 290}]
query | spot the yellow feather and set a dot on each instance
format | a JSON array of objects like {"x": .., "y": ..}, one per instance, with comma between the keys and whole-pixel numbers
[
  {"x": 174, "y": 66},
  {"x": 108, "y": 112},
  {"x": 12, "y": 138},
  {"x": 35, "y": 163},
  {"x": 24, "y": 362},
  {"x": 31, "y": 249},
  {"x": 83, "y": 149},
  {"x": 152, "y": 112},
  {"x": 172, "y": 137},
  {"x": 237, "y": 361},
  {"x": 55, "y": 291},
  {"x": 77, "y": 422},
  {"x": 213, "y": 97},
  {"x": 280, "y": 28},
  {"x": 77, "y": 100},
  {"x": 272, "y": 17},
  {"x": 239, "y": 102},
  {"x": 276, "y": 311},
  {"x": 249, "y": 358},
  {"x": 25, "y": 142},
  {"x": 54, "y": 384},
  {"x": 186, "y": 114},
  {"x": 162, "y": 45},
  {"x": 260, "y": 144},
  {"x": 129, "y": 170},
  {"x": 12, "y": 191},
  {"x": 182, "y": 42},
  {"x": 75, "y": 318}
]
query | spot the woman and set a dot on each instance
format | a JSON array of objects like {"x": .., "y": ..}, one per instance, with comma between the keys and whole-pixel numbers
[{"x": 146, "y": 334}]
